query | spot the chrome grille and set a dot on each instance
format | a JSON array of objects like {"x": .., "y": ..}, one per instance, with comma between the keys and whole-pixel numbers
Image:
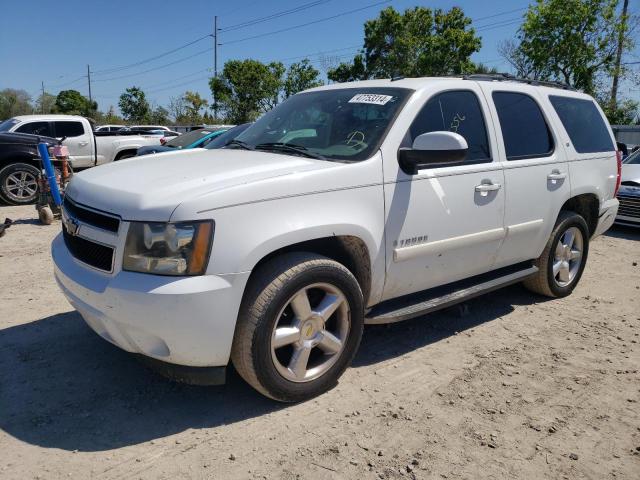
[
  {"x": 629, "y": 205},
  {"x": 94, "y": 218}
]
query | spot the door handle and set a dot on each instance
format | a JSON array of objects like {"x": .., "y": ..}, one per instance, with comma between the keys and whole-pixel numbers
[
  {"x": 556, "y": 175},
  {"x": 488, "y": 187},
  {"x": 83, "y": 144}
]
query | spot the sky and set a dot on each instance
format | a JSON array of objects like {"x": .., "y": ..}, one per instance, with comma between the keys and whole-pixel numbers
[{"x": 137, "y": 42}]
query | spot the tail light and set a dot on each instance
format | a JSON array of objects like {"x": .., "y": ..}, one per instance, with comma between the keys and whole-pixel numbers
[{"x": 619, "y": 175}]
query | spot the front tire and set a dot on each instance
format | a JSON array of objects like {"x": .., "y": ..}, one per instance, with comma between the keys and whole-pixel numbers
[
  {"x": 299, "y": 326},
  {"x": 562, "y": 262},
  {"x": 19, "y": 183}
]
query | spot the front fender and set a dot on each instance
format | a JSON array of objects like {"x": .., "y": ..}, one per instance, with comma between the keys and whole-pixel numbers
[{"x": 245, "y": 234}]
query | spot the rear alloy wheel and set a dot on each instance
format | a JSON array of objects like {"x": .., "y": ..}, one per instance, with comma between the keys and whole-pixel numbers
[
  {"x": 299, "y": 326},
  {"x": 19, "y": 183},
  {"x": 562, "y": 262}
]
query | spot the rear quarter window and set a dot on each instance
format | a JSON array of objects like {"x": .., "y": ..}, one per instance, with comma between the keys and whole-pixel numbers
[
  {"x": 584, "y": 124},
  {"x": 69, "y": 129},
  {"x": 525, "y": 131}
]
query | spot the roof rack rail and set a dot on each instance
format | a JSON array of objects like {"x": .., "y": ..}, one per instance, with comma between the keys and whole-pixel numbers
[{"x": 503, "y": 77}]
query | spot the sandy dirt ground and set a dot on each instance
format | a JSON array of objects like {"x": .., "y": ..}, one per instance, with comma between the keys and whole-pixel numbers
[{"x": 510, "y": 386}]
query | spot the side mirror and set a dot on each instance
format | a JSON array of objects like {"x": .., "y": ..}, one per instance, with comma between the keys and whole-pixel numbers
[{"x": 433, "y": 149}]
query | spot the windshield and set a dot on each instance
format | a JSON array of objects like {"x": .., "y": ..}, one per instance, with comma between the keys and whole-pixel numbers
[
  {"x": 7, "y": 124},
  {"x": 221, "y": 140},
  {"x": 341, "y": 124},
  {"x": 187, "y": 139},
  {"x": 634, "y": 158}
]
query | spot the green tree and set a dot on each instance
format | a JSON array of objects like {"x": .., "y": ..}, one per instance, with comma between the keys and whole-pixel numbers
[
  {"x": 159, "y": 116},
  {"x": 301, "y": 76},
  {"x": 112, "y": 118},
  {"x": 73, "y": 102},
  {"x": 14, "y": 102},
  {"x": 45, "y": 103},
  {"x": 419, "y": 42},
  {"x": 573, "y": 41},
  {"x": 194, "y": 103},
  {"x": 626, "y": 112},
  {"x": 134, "y": 105},
  {"x": 247, "y": 88}
]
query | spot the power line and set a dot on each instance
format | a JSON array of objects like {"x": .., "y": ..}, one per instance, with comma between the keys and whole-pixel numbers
[
  {"x": 493, "y": 26},
  {"x": 178, "y": 85},
  {"x": 273, "y": 16},
  {"x": 150, "y": 59},
  {"x": 155, "y": 68},
  {"x": 499, "y": 14},
  {"x": 308, "y": 23}
]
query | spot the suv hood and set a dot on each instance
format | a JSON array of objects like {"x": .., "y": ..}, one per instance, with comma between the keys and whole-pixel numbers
[{"x": 151, "y": 187}]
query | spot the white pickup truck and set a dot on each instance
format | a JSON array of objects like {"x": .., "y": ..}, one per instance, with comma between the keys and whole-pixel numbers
[
  {"x": 367, "y": 202},
  {"x": 86, "y": 148}
]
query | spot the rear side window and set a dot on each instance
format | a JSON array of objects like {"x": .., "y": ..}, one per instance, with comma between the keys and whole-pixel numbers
[
  {"x": 36, "y": 128},
  {"x": 459, "y": 112},
  {"x": 69, "y": 129},
  {"x": 524, "y": 129},
  {"x": 584, "y": 124}
]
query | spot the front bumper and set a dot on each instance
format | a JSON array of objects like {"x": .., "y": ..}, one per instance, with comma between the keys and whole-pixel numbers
[
  {"x": 606, "y": 217},
  {"x": 186, "y": 321}
]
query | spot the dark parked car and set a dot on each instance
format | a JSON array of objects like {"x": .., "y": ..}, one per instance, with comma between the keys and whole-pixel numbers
[
  {"x": 19, "y": 166},
  {"x": 222, "y": 140},
  {"x": 195, "y": 139}
]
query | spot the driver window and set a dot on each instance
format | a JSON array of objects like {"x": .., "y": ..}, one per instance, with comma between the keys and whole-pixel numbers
[{"x": 454, "y": 111}]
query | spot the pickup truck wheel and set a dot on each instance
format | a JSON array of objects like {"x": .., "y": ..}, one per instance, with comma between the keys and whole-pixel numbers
[
  {"x": 563, "y": 259},
  {"x": 299, "y": 326},
  {"x": 124, "y": 155},
  {"x": 19, "y": 183}
]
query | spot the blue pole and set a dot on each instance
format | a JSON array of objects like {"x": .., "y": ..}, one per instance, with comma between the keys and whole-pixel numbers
[{"x": 51, "y": 174}]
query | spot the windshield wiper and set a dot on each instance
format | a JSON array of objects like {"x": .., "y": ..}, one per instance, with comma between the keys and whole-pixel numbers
[
  {"x": 291, "y": 148},
  {"x": 239, "y": 143}
]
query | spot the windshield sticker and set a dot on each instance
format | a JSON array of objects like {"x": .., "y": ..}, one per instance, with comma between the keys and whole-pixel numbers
[{"x": 371, "y": 98}]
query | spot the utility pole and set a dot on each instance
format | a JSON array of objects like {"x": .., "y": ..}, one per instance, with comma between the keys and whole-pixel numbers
[
  {"x": 215, "y": 63},
  {"x": 89, "y": 80},
  {"x": 42, "y": 99},
  {"x": 616, "y": 72}
]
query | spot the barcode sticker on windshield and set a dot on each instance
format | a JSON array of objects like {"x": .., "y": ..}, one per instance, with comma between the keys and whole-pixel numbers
[{"x": 371, "y": 98}]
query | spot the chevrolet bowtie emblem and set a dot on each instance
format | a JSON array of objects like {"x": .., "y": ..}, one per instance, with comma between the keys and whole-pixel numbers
[{"x": 72, "y": 226}]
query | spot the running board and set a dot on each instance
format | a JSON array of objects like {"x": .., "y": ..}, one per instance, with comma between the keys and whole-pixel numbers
[{"x": 416, "y": 305}]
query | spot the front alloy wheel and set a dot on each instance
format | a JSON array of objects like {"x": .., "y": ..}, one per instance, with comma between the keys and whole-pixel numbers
[
  {"x": 306, "y": 340},
  {"x": 299, "y": 326}
]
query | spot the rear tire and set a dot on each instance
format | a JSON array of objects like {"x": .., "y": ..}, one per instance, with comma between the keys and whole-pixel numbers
[
  {"x": 19, "y": 183},
  {"x": 285, "y": 353},
  {"x": 563, "y": 260}
]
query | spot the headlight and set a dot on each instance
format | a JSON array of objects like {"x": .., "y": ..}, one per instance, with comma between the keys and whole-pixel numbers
[{"x": 168, "y": 248}]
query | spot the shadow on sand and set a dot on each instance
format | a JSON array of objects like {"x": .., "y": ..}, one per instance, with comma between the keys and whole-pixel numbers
[{"x": 61, "y": 386}]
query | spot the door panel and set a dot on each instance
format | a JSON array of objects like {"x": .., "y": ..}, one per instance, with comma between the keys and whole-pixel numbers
[
  {"x": 535, "y": 170},
  {"x": 440, "y": 229},
  {"x": 78, "y": 141},
  {"x": 445, "y": 224}
]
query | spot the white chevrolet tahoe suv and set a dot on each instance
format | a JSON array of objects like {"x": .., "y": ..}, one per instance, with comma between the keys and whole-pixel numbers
[{"x": 350, "y": 204}]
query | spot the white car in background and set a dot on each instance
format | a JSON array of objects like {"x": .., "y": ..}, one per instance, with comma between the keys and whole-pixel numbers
[
  {"x": 629, "y": 194},
  {"x": 108, "y": 128}
]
